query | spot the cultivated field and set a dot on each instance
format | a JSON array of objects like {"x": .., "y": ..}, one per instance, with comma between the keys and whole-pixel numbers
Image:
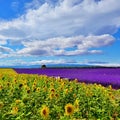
[
  {"x": 104, "y": 76},
  {"x": 39, "y": 97}
]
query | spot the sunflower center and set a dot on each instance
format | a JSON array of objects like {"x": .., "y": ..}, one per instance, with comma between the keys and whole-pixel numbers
[
  {"x": 44, "y": 112},
  {"x": 69, "y": 110}
]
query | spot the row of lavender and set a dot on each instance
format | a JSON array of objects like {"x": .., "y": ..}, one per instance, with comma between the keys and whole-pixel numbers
[{"x": 104, "y": 76}]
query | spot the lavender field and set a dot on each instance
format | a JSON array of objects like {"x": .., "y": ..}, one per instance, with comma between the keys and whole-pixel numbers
[{"x": 104, "y": 76}]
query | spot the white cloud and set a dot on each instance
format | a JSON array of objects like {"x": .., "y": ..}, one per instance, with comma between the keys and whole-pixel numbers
[
  {"x": 68, "y": 18},
  {"x": 3, "y": 42},
  {"x": 12, "y": 62},
  {"x": 21, "y": 62},
  {"x": 5, "y": 49},
  {"x": 60, "y": 61},
  {"x": 60, "y": 45},
  {"x": 35, "y": 4},
  {"x": 101, "y": 63},
  {"x": 78, "y": 25}
]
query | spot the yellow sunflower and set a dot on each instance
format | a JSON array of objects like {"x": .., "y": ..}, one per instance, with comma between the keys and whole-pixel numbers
[
  {"x": 76, "y": 104},
  {"x": 38, "y": 89},
  {"x": 1, "y": 105},
  {"x": 52, "y": 95},
  {"x": 14, "y": 110},
  {"x": 44, "y": 112},
  {"x": 69, "y": 109},
  {"x": 1, "y": 87},
  {"x": 66, "y": 91},
  {"x": 52, "y": 90},
  {"x": 56, "y": 95},
  {"x": 17, "y": 101}
]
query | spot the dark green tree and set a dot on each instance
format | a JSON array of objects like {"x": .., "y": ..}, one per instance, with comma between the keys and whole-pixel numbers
[{"x": 43, "y": 66}]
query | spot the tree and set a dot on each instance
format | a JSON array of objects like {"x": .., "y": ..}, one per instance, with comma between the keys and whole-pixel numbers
[{"x": 43, "y": 66}]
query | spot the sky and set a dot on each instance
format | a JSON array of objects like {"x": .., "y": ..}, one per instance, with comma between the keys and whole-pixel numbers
[{"x": 36, "y": 32}]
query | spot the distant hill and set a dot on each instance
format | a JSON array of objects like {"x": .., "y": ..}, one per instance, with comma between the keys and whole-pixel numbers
[{"x": 61, "y": 66}]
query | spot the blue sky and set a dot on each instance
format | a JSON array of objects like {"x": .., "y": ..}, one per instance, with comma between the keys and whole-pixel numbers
[{"x": 35, "y": 32}]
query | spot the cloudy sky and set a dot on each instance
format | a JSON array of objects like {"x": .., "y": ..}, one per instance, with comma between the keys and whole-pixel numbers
[{"x": 35, "y": 32}]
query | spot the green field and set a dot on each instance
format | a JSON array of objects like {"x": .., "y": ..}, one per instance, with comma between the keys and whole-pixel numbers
[{"x": 38, "y": 97}]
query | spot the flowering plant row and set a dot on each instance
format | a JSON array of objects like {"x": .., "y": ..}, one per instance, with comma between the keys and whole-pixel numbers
[{"x": 39, "y": 97}]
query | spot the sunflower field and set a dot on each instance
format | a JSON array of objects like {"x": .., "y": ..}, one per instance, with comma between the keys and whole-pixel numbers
[{"x": 39, "y": 97}]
